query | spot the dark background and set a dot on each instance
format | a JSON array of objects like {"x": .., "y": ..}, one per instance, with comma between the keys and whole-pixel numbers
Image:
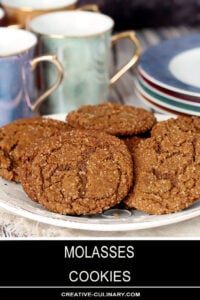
[{"x": 134, "y": 14}]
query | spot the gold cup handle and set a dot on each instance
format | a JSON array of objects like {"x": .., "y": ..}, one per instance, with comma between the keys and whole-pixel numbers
[
  {"x": 53, "y": 59},
  {"x": 131, "y": 36},
  {"x": 89, "y": 7},
  {"x": 15, "y": 26}
]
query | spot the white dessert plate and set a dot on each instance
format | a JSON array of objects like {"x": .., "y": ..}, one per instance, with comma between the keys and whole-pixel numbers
[{"x": 166, "y": 102}]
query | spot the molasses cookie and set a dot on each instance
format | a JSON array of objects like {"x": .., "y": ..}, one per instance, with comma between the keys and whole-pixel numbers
[
  {"x": 112, "y": 118},
  {"x": 78, "y": 172},
  {"x": 167, "y": 173},
  {"x": 133, "y": 142},
  {"x": 185, "y": 124},
  {"x": 16, "y": 137}
]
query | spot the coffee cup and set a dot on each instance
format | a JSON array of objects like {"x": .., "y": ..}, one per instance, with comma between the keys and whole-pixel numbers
[
  {"x": 17, "y": 81},
  {"x": 2, "y": 16},
  {"x": 20, "y": 12},
  {"x": 82, "y": 41}
]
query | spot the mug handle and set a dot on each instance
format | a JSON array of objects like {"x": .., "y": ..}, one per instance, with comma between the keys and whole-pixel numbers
[
  {"x": 15, "y": 26},
  {"x": 53, "y": 59},
  {"x": 89, "y": 7},
  {"x": 131, "y": 36}
]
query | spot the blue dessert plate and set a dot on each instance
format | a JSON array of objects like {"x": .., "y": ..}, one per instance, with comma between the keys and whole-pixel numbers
[{"x": 174, "y": 64}]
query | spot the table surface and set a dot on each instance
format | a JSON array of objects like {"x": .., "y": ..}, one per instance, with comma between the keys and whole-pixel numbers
[{"x": 13, "y": 226}]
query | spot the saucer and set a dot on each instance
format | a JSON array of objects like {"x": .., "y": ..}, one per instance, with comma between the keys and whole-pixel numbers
[
  {"x": 174, "y": 64},
  {"x": 164, "y": 100}
]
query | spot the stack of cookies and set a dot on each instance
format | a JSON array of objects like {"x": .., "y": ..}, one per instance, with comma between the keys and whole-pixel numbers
[{"x": 104, "y": 155}]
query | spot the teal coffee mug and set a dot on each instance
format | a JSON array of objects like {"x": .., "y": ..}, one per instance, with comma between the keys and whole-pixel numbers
[{"x": 82, "y": 42}]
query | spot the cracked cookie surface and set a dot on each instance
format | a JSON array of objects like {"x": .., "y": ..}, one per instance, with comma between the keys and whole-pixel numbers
[
  {"x": 112, "y": 118},
  {"x": 16, "y": 137},
  {"x": 167, "y": 173},
  {"x": 184, "y": 124},
  {"x": 78, "y": 172}
]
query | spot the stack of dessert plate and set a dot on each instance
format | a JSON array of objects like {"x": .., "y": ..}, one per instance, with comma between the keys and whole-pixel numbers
[{"x": 168, "y": 77}]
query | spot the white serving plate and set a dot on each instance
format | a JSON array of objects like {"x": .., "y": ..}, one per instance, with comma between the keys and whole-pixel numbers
[{"x": 14, "y": 199}]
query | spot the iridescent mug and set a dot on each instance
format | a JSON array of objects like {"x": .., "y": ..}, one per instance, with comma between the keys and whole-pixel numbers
[
  {"x": 82, "y": 41},
  {"x": 18, "y": 97},
  {"x": 20, "y": 12}
]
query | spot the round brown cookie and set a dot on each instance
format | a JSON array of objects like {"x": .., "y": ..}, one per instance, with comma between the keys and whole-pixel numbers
[
  {"x": 112, "y": 118},
  {"x": 167, "y": 174},
  {"x": 16, "y": 137},
  {"x": 185, "y": 124},
  {"x": 78, "y": 172},
  {"x": 133, "y": 142}
]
